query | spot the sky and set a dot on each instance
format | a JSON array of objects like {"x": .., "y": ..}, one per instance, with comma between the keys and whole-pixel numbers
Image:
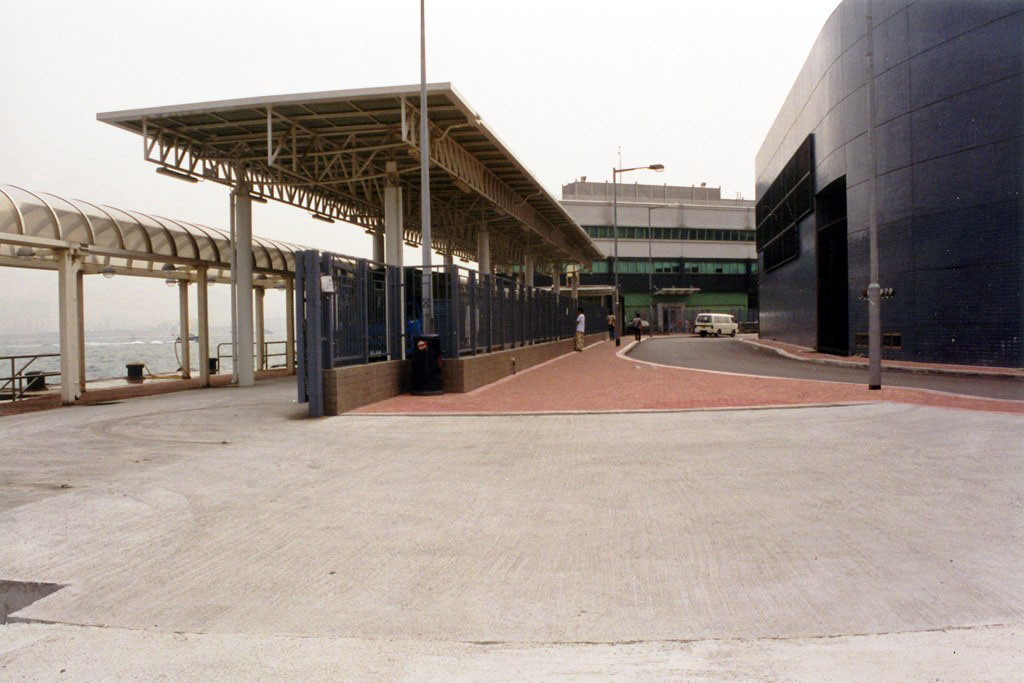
[{"x": 693, "y": 85}]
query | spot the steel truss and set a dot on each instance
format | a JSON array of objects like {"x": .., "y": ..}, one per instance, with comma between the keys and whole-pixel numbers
[{"x": 333, "y": 164}]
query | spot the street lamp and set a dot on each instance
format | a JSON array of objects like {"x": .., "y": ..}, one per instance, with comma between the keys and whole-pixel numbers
[
  {"x": 615, "y": 234},
  {"x": 650, "y": 262},
  {"x": 428, "y": 296},
  {"x": 874, "y": 289}
]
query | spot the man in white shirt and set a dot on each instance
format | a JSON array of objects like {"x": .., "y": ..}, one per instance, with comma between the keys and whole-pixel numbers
[{"x": 581, "y": 324}]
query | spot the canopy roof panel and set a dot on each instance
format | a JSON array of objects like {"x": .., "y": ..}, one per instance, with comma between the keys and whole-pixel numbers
[
  {"x": 129, "y": 241},
  {"x": 329, "y": 153}
]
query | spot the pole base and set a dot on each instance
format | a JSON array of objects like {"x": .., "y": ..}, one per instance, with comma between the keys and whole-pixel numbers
[{"x": 874, "y": 387}]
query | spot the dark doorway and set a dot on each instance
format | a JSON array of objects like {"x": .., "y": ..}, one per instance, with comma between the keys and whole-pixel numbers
[{"x": 833, "y": 275}]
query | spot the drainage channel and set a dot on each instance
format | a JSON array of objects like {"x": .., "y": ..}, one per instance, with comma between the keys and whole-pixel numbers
[{"x": 17, "y": 595}]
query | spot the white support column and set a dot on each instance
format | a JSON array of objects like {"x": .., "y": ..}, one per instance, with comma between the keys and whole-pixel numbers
[
  {"x": 261, "y": 339},
  {"x": 68, "y": 266},
  {"x": 203, "y": 310},
  {"x": 186, "y": 355},
  {"x": 556, "y": 277},
  {"x": 80, "y": 316},
  {"x": 394, "y": 230},
  {"x": 289, "y": 314},
  {"x": 483, "y": 249},
  {"x": 378, "y": 243},
  {"x": 449, "y": 259},
  {"x": 394, "y": 233},
  {"x": 576, "y": 282},
  {"x": 528, "y": 270},
  {"x": 243, "y": 283}
]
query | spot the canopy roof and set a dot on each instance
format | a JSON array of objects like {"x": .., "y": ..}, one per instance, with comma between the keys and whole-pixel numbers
[
  {"x": 328, "y": 152},
  {"x": 129, "y": 241}
]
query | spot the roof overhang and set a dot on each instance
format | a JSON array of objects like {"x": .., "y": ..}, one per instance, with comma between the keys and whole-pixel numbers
[
  {"x": 113, "y": 240},
  {"x": 332, "y": 153}
]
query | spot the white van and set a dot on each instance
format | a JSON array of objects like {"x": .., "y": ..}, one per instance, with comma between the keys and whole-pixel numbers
[{"x": 716, "y": 324}]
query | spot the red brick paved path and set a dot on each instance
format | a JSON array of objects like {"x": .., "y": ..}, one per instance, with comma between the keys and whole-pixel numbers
[{"x": 598, "y": 380}]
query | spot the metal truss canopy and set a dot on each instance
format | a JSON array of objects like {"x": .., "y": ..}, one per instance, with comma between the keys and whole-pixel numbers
[{"x": 328, "y": 153}]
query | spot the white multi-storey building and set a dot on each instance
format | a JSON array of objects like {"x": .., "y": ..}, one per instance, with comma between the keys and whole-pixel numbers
[{"x": 698, "y": 255}]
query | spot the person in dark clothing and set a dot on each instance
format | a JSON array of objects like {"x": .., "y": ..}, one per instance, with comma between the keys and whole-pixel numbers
[{"x": 638, "y": 325}]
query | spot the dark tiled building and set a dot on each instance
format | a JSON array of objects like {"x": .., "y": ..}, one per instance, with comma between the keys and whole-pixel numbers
[{"x": 949, "y": 78}]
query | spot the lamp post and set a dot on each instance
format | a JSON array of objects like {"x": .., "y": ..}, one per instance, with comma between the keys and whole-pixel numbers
[
  {"x": 874, "y": 289},
  {"x": 428, "y": 294},
  {"x": 650, "y": 262},
  {"x": 615, "y": 234}
]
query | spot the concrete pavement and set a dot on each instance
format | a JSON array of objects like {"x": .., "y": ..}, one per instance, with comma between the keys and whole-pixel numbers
[
  {"x": 218, "y": 533},
  {"x": 62, "y": 653}
]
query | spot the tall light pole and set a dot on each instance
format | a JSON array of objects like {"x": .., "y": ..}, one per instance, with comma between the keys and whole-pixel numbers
[
  {"x": 650, "y": 262},
  {"x": 615, "y": 234},
  {"x": 874, "y": 289},
  {"x": 428, "y": 293}
]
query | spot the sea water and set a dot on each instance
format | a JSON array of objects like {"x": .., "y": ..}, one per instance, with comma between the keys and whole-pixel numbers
[{"x": 107, "y": 353}]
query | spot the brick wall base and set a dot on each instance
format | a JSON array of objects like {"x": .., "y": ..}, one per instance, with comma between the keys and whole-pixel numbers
[
  {"x": 353, "y": 386},
  {"x": 471, "y": 372}
]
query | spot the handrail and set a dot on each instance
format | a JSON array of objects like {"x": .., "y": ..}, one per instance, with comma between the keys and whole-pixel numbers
[
  {"x": 265, "y": 365},
  {"x": 16, "y": 380}
]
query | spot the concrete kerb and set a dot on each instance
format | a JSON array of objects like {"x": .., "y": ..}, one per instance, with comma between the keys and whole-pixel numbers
[
  {"x": 622, "y": 411},
  {"x": 623, "y": 354},
  {"x": 926, "y": 370}
]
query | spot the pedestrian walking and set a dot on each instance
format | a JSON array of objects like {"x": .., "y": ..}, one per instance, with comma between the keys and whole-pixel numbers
[
  {"x": 581, "y": 325},
  {"x": 611, "y": 326},
  {"x": 638, "y": 325}
]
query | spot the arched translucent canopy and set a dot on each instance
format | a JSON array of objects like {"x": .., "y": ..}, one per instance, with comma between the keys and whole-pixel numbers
[{"x": 129, "y": 241}]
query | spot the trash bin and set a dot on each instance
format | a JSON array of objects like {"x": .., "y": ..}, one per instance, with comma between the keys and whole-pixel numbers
[
  {"x": 135, "y": 372},
  {"x": 36, "y": 380},
  {"x": 214, "y": 365},
  {"x": 426, "y": 366}
]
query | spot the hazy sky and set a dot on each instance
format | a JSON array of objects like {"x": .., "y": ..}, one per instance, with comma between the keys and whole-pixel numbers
[{"x": 692, "y": 85}]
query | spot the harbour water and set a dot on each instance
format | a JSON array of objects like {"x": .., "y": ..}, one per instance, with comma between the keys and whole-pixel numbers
[{"x": 107, "y": 352}]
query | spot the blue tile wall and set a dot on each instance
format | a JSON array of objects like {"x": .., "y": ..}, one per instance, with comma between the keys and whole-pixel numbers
[
  {"x": 933, "y": 22},
  {"x": 791, "y": 308},
  {"x": 950, "y": 163},
  {"x": 987, "y": 54},
  {"x": 962, "y": 121}
]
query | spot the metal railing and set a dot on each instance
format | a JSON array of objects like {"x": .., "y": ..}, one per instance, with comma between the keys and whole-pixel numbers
[
  {"x": 16, "y": 384},
  {"x": 478, "y": 313},
  {"x": 354, "y": 311},
  {"x": 224, "y": 352}
]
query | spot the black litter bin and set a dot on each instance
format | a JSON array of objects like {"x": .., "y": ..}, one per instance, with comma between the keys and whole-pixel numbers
[
  {"x": 36, "y": 381},
  {"x": 134, "y": 372},
  {"x": 214, "y": 365},
  {"x": 426, "y": 366}
]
